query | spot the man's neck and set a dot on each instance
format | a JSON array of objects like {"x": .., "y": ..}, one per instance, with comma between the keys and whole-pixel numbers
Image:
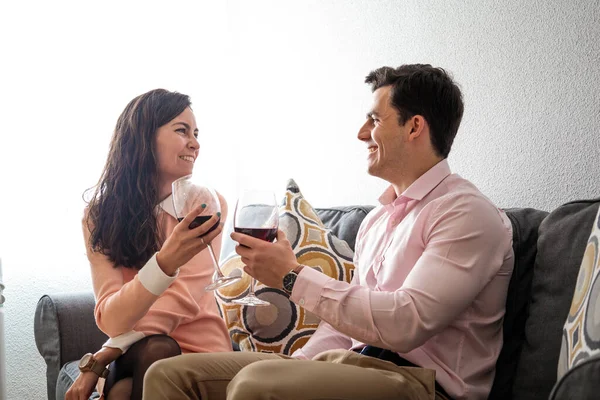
[{"x": 407, "y": 178}]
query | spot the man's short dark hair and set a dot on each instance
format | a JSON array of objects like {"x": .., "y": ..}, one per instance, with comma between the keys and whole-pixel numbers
[{"x": 420, "y": 89}]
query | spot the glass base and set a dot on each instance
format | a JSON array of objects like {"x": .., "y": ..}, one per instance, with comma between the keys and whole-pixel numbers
[
  {"x": 251, "y": 300},
  {"x": 222, "y": 281}
]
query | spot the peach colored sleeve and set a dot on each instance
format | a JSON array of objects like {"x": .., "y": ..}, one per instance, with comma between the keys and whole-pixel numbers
[{"x": 119, "y": 305}]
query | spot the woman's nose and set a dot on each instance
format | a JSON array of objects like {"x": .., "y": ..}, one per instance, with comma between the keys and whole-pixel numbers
[{"x": 193, "y": 143}]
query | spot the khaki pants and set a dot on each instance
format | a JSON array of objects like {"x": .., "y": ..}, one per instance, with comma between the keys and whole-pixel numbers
[{"x": 335, "y": 374}]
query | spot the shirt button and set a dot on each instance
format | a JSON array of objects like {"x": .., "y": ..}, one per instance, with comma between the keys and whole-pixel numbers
[{"x": 301, "y": 302}]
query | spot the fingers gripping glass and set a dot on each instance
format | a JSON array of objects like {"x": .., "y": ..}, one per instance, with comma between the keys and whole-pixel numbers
[
  {"x": 187, "y": 195},
  {"x": 257, "y": 215}
]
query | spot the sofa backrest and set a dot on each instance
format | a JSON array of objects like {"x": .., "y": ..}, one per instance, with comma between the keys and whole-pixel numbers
[
  {"x": 525, "y": 223},
  {"x": 344, "y": 221},
  {"x": 563, "y": 236}
]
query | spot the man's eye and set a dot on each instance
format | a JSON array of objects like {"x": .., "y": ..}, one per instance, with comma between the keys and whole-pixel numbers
[{"x": 196, "y": 135}]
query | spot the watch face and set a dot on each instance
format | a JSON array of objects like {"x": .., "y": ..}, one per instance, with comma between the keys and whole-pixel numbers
[
  {"x": 85, "y": 360},
  {"x": 288, "y": 281}
]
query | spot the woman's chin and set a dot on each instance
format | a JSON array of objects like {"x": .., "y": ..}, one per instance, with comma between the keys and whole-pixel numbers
[{"x": 185, "y": 171}]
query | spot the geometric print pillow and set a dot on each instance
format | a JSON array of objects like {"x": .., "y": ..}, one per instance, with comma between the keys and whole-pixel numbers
[
  {"x": 581, "y": 333},
  {"x": 282, "y": 327}
]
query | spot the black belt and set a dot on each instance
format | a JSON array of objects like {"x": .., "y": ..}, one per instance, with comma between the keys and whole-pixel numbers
[{"x": 388, "y": 355}]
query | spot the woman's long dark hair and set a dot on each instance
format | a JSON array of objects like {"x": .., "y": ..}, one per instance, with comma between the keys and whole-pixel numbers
[{"x": 121, "y": 212}]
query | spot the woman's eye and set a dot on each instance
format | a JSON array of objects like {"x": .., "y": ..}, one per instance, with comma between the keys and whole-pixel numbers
[{"x": 180, "y": 131}]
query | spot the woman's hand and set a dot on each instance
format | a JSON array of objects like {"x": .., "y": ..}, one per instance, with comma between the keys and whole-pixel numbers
[
  {"x": 82, "y": 387},
  {"x": 184, "y": 243}
]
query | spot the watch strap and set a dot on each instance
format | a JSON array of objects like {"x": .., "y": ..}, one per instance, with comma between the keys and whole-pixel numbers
[
  {"x": 99, "y": 370},
  {"x": 298, "y": 269}
]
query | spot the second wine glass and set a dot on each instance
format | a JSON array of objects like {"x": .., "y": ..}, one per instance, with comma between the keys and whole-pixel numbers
[{"x": 257, "y": 215}]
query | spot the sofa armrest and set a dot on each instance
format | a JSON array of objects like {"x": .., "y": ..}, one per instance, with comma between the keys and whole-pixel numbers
[{"x": 65, "y": 329}]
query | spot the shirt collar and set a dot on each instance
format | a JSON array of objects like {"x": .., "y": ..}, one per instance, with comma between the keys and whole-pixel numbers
[
  {"x": 167, "y": 206},
  {"x": 419, "y": 188}
]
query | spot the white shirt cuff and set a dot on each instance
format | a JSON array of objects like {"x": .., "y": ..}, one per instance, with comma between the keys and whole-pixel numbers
[
  {"x": 124, "y": 341},
  {"x": 153, "y": 278}
]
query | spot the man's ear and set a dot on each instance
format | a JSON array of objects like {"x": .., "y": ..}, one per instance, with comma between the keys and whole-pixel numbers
[{"x": 417, "y": 126}]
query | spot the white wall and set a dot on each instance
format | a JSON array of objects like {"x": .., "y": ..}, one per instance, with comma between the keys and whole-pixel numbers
[{"x": 278, "y": 91}]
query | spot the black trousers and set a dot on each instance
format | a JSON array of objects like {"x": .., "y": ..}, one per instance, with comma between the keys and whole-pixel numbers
[{"x": 388, "y": 355}]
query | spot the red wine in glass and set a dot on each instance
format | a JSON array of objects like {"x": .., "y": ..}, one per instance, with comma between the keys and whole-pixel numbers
[
  {"x": 199, "y": 220},
  {"x": 256, "y": 214},
  {"x": 268, "y": 234}
]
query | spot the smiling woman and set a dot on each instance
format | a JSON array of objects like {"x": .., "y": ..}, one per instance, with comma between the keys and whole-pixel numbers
[{"x": 148, "y": 270}]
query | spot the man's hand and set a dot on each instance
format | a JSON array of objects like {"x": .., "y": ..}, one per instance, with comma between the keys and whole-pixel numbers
[
  {"x": 82, "y": 387},
  {"x": 267, "y": 262}
]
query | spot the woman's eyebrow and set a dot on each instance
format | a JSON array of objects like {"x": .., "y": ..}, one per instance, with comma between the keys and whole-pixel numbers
[{"x": 183, "y": 123}]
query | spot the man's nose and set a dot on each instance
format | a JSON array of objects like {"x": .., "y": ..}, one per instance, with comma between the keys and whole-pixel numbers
[{"x": 364, "y": 133}]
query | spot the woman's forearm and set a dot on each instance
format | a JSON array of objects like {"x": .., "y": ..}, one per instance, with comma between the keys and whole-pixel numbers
[{"x": 106, "y": 355}]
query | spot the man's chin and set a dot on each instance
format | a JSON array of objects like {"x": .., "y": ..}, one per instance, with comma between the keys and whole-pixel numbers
[{"x": 372, "y": 170}]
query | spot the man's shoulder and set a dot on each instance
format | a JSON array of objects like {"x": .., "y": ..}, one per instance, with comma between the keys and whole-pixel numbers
[
  {"x": 460, "y": 196},
  {"x": 456, "y": 190}
]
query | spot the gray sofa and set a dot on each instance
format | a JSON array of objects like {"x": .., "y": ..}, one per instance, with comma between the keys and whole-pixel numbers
[{"x": 548, "y": 251}]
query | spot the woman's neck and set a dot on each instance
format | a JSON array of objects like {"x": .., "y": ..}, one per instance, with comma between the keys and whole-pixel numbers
[{"x": 164, "y": 190}]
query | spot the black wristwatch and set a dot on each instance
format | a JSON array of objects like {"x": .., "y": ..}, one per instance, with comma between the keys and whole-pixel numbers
[{"x": 290, "y": 279}]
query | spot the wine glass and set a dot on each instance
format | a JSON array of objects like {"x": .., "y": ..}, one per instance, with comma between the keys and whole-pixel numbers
[
  {"x": 187, "y": 195},
  {"x": 257, "y": 215}
]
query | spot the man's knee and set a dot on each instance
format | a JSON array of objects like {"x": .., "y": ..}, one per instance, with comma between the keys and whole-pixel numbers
[
  {"x": 161, "y": 373},
  {"x": 255, "y": 381}
]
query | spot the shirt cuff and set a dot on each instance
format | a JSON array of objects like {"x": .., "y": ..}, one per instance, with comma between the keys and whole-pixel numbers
[
  {"x": 308, "y": 287},
  {"x": 299, "y": 354},
  {"x": 124, "y": 341},
  {"x": 154, "y": 279}
]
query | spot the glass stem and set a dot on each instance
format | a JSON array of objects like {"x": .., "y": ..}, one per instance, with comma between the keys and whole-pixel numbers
[
  {"x": 252, "y": 281},
  {"x": 215, "y": 262}
]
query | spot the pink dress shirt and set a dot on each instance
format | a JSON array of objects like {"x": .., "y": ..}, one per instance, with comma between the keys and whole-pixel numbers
[{"x": 432, "y": 272}]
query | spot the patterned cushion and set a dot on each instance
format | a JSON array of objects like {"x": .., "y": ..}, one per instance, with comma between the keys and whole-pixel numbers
[
  {"x": 282, "y": 327},
  {"x": 581, "y": 334}
]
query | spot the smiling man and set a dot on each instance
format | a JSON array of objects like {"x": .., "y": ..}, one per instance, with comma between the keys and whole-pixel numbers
[{"x": 422, "y": 318}]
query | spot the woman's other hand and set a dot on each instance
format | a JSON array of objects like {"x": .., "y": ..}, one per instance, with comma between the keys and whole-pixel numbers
[{"x": 82, "y": 387}]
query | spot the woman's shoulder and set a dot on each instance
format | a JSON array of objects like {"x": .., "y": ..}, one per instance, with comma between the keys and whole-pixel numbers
[{"x": 85, "y": 218}]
